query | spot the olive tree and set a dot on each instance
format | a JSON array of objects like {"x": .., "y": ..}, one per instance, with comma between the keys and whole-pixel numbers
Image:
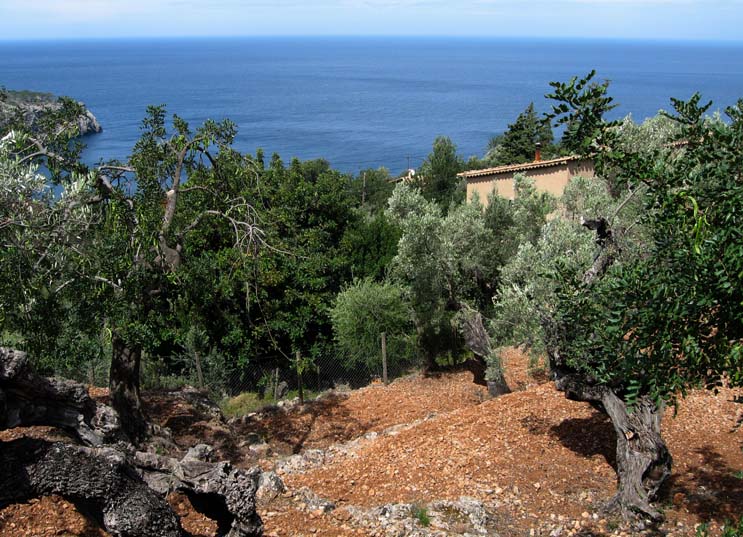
[
  {"x": 105, "y": 245},
  {"x": 450, "y": 267},
  {"x": 365, "y": 310},
  {"x": 633, "y": 333}
]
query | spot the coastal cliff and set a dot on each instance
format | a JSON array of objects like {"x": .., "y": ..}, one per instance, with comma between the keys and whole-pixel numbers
[{"x": 32, "y": 108}]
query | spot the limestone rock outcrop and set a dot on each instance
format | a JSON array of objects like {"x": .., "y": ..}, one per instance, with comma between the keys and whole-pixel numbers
[{"x": 32, "y": 108}]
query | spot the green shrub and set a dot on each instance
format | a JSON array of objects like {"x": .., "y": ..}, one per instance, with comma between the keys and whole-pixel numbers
[
  {"x": 362, "y": 312},
  {"x": 730, "y": 529},
  {"x": 420, "y": 513},
  {"x": 243, "y": 404}
]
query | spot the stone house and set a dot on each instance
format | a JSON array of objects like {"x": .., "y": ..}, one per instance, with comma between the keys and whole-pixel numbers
[{"x": 548, "y": 175}]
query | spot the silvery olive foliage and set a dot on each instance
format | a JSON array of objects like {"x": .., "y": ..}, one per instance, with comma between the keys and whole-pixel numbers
[
  {"x": 445, "y": 261},
  {"x": 38, "y": 223},
  {"x": 20, "y": 182},
  {"x": 651, "y": 134},
  {"x": 563, "y": 250},
  {"x": 362, "y": 312}
]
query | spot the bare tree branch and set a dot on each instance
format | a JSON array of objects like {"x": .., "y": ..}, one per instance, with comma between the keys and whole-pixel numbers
[{"x": 107, "y": 282}]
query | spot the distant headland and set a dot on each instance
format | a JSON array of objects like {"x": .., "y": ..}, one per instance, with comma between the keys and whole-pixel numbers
[{"x": 31, "y": 107}]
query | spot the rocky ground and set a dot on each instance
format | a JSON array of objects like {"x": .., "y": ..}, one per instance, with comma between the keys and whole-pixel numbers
[{"x": 435, "y": 457}]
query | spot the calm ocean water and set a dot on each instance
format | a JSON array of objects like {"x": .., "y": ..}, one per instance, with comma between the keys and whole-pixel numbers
[{"x": 358, "y": 102}]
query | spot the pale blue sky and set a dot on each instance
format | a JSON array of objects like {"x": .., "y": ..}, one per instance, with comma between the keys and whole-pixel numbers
[{"x": 644, "y": 19}]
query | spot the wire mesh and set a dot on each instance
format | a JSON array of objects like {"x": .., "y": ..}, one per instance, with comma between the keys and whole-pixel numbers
[{"x": 326, "y": 370}]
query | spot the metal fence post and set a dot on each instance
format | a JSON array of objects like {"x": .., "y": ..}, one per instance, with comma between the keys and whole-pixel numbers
[
  {"x": 384, "y": 358},
  {"x": 276, "y": 385},
  {"x": 299, "y": 378}
]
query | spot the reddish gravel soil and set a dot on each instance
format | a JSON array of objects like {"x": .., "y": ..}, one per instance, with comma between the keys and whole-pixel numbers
[
  {"x": 532, "y": 455},
  {"x": 343, "y": 417}
]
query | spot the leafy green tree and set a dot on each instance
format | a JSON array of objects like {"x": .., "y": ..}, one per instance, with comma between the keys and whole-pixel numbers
[
  {"x": 369, "y": 244},
  {"x": 371, "y": 188},
  {"x": 107, "y": 250},
  {"x": 581, "y": 106},
  {"x": 530, "y": 277},
  {"x": 517, "y": 145},
  {"x": 634, "y": 332},
  {"x": 365, "y": 310},
  {"x": 449, "y": 267},
  {"x": 285, "y": 305},
  {"x": 257, "y": 311},
  {"x": 653, "y": 134},
  {"x": 438, "y": 174},
  {"x": 418, "y": 264},
  {"x": 518, "y": 221}
]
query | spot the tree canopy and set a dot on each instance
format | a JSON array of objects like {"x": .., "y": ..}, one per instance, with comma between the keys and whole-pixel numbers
[
  {"x": 438, "y": 173},
  {"x": 362, "y": 313},
  {"x": 644, "y": 306},
  {"x": 518, "y": 144}
]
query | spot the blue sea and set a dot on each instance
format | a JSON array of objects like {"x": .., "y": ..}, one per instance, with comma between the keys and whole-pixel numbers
[{"x": 357, "y": 102}]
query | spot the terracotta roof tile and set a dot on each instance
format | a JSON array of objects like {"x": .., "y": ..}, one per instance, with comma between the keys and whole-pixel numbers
[{"x": 518, "y": 167}]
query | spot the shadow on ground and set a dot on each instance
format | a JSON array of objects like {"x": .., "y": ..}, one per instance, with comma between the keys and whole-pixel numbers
[
  {"x": 710, "y": 489},
  {"x": 585, "y": 436},
  {"x": 193, "y": 424},
  {"x": 316, "y": 424}
]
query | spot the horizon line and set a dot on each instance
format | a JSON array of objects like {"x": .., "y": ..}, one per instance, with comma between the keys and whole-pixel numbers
[{"x": 694, "y": 40}]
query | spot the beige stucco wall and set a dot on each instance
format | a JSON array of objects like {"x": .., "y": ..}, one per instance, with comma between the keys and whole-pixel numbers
[
  {"x": 552, "y": 179},
  {"x": 582, "y": 168}
]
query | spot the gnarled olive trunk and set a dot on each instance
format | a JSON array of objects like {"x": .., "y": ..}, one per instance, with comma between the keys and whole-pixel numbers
[
  {"x": 123, "y": 489},
  {"x": 477, "y": 340},
  {"x": 100, "y": 482},
  {"x": 123, "y": 384},
  {"x": 643, "y": 460},
  {"x": 28, "y": 399}
]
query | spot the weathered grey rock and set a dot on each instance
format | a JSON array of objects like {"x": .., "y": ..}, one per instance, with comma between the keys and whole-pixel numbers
[
  {"x": 88, "y": 123},
  {"x": 200, "y": 452},
  {"x": 219, "y": 491},
  {"x": 30, "y": 399},
  {"x": 200, "y": 400},
  {"x": 123, "y": 489},
  {"x": 32, "y": 107},
  {"x": 466, "y": 517},
  {"x": 251, "y": 439},
  {"x": 288, "y": 404},
  {"x": 312, "y": 501},
  {"x": 282, "y": 389},
  {"x": 260, "y": 450},
  {"x": 99, "y": 481},
  {"x": 270, "y": 486},
  {"x": 312, "y": 458},
  {"x": 468, "y": 508}
]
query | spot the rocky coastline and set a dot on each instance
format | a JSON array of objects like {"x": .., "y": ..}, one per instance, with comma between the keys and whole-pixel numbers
[{"x": 32, "y": 107}]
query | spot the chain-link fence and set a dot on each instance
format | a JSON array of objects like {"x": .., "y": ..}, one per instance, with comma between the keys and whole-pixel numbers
[
  {"x": 325, "y": 370},
  {"x": 271, "y": 378}
]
